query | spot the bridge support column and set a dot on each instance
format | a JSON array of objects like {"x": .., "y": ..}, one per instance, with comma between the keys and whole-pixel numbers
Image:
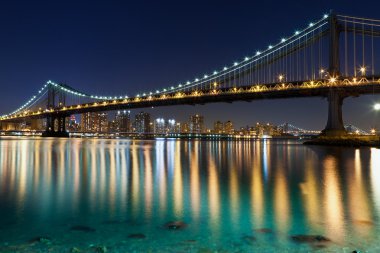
[
  {"x": 335, "y": 126},
  {"x": 50, "y": 127}
]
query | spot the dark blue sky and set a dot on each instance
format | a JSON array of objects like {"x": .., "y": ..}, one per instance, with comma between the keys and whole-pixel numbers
[{"x": 123, "y": 47}]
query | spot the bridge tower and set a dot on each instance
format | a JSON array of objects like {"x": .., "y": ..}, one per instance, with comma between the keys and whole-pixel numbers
[
  {"x": 55, "y": 124},
  {"x": 334, "y": 126}
]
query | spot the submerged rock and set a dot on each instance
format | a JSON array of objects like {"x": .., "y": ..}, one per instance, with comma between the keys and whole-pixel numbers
[
  {"x": 75, "y": 250},
  {"x": 248, "y": 239},
  {"x": 82, "y": 228},
  {"x": 175, "y": 225},
  {"x": 136, "y": 236},
  {"x": 41, "y": 239},
  {"x": 100, "y": 249},
  {"x": 309, "y": 239}
]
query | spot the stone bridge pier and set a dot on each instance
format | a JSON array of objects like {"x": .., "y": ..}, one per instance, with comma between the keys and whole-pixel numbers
[
  {"x": 335, "y": 126},
  {"x": 55, "y": 127}
]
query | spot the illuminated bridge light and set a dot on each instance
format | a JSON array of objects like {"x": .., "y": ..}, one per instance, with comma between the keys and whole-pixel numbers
[
  {"x": 258, "y": 53},
  {"x": 297, "y": 32},
  {"x": 235, "y": 63},
  {"x": 283, "y": 40},
  {"x": 246, "y": 58},
  {"x": 362, "y": 70},
  {"x": 270, "y": 47},
  {"x": 196, "y": 79},
  {"x": 311, "y": 24},
  {"x": 205, "y": 76},
  {"x": 216, "y": 72},
  {"x": 325, "y": 16},
  {"x": 225, "y": 68},
  {"x": 188, "y": 82}
]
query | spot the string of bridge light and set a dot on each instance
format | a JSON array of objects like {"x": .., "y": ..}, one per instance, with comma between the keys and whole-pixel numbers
[
  {"x": 27, "y": 103},
  {"x": 247, "y": 60}
]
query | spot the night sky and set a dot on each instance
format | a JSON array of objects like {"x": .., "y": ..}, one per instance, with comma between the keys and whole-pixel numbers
[{"x": 124, "y": 47}]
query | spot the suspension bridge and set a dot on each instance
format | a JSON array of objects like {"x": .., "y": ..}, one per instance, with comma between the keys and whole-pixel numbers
[{"x": 335, "y": 57}]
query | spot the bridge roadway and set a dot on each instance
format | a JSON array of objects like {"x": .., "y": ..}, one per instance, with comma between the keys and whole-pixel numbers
[
  {"x": 334, "y": 90},
  {"x": 321, "y": 88}
]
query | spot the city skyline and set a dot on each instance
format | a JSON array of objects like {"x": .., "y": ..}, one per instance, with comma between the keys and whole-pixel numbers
[{"x": 150, "y": 49}]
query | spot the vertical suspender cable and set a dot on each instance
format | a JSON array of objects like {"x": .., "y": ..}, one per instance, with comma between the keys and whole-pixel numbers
[
  {"x": 345, "y": 49},
  {"x": 354, "y": 51}
]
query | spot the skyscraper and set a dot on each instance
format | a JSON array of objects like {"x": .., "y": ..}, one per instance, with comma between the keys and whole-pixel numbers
[
  {"x": 228, "y": 127},
  {"x": 196, "y": 124},
  {"x": 94, "y": 122},
  {"x": 218, "y": 127},
  {"x": 142, "y": 122},
  {"x": 123, "y": 121}
]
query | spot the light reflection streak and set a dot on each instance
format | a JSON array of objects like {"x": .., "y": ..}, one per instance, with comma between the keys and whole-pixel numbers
[
  {"x": 310, "y": 194},
  {"x": 135, "y": 181},
  {"x": 148, "y": 183},
  {"x": 333, "y": 199},
  {"x": 195, "y": 180},
  {"x": 124, "y": 163},
  {"x": 177, "y": 180},
  {"x": 281, "y": 199},
  {"x": 213, "y": 196},
  {"x": 161, "y": 177},
  {"x": 112, "y": 180},
  {"x": 357, "y": 201},
  {"x": 375, "y": 177},
  {"x": 257, "y": 190}
]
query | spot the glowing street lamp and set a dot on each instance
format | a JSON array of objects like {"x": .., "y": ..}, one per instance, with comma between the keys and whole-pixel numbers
[
  {"x": 376, "y": 107},
  {"x": 281, "y": 77},
  {"x": 362, "y": 70}
]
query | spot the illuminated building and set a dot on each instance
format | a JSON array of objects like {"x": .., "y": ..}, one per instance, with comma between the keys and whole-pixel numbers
[
  {"x": 142, "y": 123},
  {"x": 184, "y": 128},
  {"x": 94, "y": 122},
  {"x": 159, "y": 126},
  {"x": 218, "y": 127},
  {"x": 123, "y": 121},
  {"x": 228, "y": 127},
  {"x": 196, "y": 124}
]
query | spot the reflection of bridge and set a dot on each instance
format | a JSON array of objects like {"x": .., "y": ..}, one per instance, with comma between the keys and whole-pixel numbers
[{"x": 305, "y": 64}]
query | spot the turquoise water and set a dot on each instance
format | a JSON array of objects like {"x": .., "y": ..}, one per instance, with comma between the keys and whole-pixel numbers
[{"x": 94, "y": 195}]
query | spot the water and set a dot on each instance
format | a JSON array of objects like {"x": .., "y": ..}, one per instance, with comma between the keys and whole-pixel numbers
[{"x": 93, "y": 195}]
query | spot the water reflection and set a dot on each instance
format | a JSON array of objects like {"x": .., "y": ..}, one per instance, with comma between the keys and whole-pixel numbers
[{"x": 219, "y": 187}]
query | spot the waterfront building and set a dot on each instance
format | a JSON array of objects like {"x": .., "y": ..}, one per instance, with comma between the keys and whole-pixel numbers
[
  {"x": 196, "y": 124},
  {"x": 228, "y": 127},
  {"x": 184, "y": 128},
  {"x": 123, "y": 121},
  {"x": 94, "y": 122},
  {"x": 142, "y": 123},
  {"x": 218, "y": 127},
  {"x": 159, "y": 126}
]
